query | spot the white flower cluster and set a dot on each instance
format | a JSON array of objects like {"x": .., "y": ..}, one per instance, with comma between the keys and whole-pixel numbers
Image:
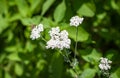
[
  {"x": 76, "y": 21},
  {"x": 35, "y": 33},
  {"x": 58, "y": 39},
  {"x": 104, "y": 64}
]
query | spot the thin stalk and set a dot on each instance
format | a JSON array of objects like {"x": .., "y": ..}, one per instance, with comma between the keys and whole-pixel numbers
[
  {"x": 76, "y": 42},
  {"x": 43, "y": 39},
  {"x": 65, "y": 55},
  {"x": 76, "y": 50}
]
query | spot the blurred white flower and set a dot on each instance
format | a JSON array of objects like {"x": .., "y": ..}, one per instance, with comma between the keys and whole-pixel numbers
[
  {"x": 104, "y": 64},
  {"x": 76, "y": 21},
  {"x": 40, "y": 27},
  {"x": 58, "y": 39},
  {"x": 35, "y": 33},
  {"x": 54, "y": 33}
]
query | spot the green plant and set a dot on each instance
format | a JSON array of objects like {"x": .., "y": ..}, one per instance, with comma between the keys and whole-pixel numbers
[{"x": 98, "y": 35}]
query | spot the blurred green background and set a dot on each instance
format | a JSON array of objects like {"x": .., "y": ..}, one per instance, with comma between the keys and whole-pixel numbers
[{"x": 99, "y": 36}]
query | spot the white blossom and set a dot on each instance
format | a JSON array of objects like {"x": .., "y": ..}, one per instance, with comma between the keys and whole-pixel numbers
[
  {"x": 54, "y": 33},
  {"x": 40, "y": 27},
  {"x": 76, "y": 21},
  {"x": 104, "y": 64},
  {"x": 58, "y": 39},
  {"x": 52, "y": 43},
  {"x": 35, "y": 33}
]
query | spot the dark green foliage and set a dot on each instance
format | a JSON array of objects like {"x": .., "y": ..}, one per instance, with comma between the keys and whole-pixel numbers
[{"x": 98, "y": 36}]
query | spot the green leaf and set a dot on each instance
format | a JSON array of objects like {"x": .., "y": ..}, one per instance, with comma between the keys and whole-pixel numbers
[
  {"x": 88, "y": 73},
  {"x": 3, "y": 23},
  {"x": 87, "y": 9},
  {"x": 91, "y": 56},
  {"x": 73, "y": 72},
  {"x": 60, "y": 11},
  {"x": 3, "y": 7},
  {"x": 29, "y": 46},
  {"x": 10, "y": 36},
  {"x": 14, "y": 57},
  {"x": 7, "y": 75},
  {"x": 41, "y": 64},
  {"x": 15, "y": 17},
  {"x": 18, "y": 69},
  {"x": 116, "y": 74},
  {"x": 2, "y": 57},
  {"x": 46, "y": 6},
  {"x": 82, "y": 34},
  {"x": 100, "y": 17},
  {"x": 36, "y": 5},
  {"x": 31, "y": 21},
  {"x": 22, "y": 7},
  {"x": 11, "y": 49},
  {"x": 114, "y": 5},
  {"x": 48, "y": 23}
]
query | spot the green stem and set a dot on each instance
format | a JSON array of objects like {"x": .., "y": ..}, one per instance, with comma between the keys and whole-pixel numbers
[
  {"x": 43, "y": 39},
  {"x": 66, "y": 55},
  {"x": 76, "y": 42}
]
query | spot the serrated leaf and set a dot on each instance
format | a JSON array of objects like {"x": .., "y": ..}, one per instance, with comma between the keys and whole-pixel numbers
[
  {"x": 87, "y": 10},
  {"x": 82, "y": 34},
  {"x": 59, "y": 12},
  {"x": 18, "y": 69},
  {"x": 46, "y": 6},
  {"x": 88, "y": 73}
]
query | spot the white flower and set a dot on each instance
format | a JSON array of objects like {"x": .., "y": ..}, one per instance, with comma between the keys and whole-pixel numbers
[
  {"x": 104, "y": 64},
  {"x": 52, "y": 43},
  {"x": 64, "y": 34},
  {"x": 54, "y": 33},
  {"x": 76, "y": 21},
  {"x": 58, "y": 39},
  {"x": 40, "y": 27},
  {"x": 35, "y": 33}
]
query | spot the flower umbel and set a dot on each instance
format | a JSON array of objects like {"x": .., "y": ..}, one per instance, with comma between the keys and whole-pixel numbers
[
  {"x": 35, "y": 33},
  {"x": 104, "y": 64},
  {"x": 58, "y": 39},
  {"x": 76, "y": 21}
]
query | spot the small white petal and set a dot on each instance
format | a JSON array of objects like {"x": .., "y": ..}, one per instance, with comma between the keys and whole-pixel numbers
[
  {"x": 104, "y": 63},
  {"x": 35, "y": 33},
  {"x": 40, "y": 27},
  {"x": 58, "y": 39},
  {"x": 101, "y": 66},
  {"x": 109, "y": 61},
  {"x": 76, "y": 21}
]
